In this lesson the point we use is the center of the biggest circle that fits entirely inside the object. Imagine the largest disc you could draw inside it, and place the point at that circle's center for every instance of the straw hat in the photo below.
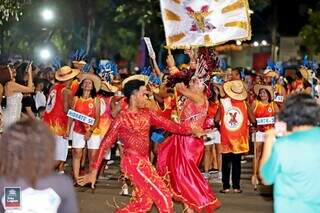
(65, 73)
(258, 87)
(95, 79)
(306, 73)
(79, 64)
(136, 77)
(235, 90)
(107, 87)
(270, 73)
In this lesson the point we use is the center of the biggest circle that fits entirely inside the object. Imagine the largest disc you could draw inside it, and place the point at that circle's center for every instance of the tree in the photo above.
(310, 33)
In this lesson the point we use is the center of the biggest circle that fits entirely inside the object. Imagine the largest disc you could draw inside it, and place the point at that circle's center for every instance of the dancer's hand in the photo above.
(197, 131)
(88, 178)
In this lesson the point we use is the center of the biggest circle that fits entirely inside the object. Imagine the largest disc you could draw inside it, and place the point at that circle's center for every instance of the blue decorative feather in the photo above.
(222, 64)
(79, 55)
(86, 68)
(107, 70)
(56, 63)
(279, 68)
(152, 77)
(270, 64)
(217, 80)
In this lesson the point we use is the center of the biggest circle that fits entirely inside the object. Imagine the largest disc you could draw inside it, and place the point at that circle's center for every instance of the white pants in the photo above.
(79, 142)
(215, 138)
(61, 148)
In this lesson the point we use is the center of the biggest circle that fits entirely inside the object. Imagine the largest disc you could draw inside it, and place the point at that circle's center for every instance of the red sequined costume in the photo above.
(133, 130)
(179, 158)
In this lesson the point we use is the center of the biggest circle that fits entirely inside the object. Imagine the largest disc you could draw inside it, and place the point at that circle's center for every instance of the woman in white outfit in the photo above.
(13, 92)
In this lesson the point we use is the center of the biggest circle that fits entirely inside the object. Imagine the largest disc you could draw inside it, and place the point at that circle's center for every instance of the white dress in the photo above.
(12, 112)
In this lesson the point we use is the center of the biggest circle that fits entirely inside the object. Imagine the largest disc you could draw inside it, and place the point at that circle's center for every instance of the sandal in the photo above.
(224, 191)
(237, 191)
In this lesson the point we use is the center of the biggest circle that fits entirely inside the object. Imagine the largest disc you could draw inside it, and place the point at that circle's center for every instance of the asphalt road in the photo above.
(107, 195)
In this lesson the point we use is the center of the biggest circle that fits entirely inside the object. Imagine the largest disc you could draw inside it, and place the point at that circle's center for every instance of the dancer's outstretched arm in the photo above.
(170, 126)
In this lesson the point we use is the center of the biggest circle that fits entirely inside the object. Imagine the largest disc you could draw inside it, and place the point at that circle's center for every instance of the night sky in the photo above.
(292, 16)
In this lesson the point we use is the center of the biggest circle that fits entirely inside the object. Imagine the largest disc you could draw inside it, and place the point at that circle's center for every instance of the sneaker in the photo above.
(61, 172)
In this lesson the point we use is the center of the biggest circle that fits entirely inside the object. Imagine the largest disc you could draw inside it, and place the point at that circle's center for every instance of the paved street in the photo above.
(107, 193)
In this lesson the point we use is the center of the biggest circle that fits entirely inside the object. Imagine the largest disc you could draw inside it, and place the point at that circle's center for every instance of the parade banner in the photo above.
(192, 23)
(265, 121)
(80, 117)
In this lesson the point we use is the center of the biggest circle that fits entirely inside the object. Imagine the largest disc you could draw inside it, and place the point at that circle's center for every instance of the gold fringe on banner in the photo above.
(240, 24)
(177, 1)
(238, 4)
(207, 40)
(177, 37)
(171, 16)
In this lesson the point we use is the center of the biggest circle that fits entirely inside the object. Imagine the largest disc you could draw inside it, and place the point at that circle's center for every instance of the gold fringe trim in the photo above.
(207, 40)
(240, 24)
(177, 1)
(177, 37)
(238, 4)
(171, 16)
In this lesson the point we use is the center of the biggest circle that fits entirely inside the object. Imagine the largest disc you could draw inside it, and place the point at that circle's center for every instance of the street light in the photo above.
(47, 14)
(238, 42)
(256, 44)
(264, 43)
(45, 54)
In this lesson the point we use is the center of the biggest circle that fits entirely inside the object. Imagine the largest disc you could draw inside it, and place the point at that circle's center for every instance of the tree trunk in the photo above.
(274, 31)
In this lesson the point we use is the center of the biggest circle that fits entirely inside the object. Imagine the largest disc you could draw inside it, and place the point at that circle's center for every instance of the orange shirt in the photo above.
(262, 110)
(234, 128)
(88, 108)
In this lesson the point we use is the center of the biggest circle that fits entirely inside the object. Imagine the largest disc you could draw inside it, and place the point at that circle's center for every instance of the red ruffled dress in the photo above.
(179, 158)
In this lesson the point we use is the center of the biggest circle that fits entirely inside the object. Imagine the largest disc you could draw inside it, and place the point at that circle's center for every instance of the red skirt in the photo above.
(178, 161)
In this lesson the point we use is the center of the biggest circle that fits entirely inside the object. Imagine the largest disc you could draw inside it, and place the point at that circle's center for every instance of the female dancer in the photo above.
(13, 92)
(264, 109)
(180, 156)
(85, 102)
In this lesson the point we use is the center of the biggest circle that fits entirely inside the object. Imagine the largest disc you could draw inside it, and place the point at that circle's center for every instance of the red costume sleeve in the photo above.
(170, 126)
(109, 139)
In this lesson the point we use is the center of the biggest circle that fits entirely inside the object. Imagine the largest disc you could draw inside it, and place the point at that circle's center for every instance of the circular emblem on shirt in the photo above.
(233, 119)
(90, 105)
(269, 109)
(51, 101)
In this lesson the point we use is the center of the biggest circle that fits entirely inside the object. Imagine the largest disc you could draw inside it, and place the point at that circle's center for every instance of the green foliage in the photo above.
(310, 33)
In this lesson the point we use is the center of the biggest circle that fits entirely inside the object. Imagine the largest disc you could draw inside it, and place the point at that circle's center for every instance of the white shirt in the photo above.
(40, 99)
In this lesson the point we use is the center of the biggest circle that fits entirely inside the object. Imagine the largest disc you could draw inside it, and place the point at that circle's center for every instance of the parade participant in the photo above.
(5, 76)
(212, 155)
(58, 104)
(84, 135)
(291, 157)
(264, 109)
(132, 126)
(234, 115)
(270, 78)
(105, 95)
(13, 92)
(179, 156)
(26, 164)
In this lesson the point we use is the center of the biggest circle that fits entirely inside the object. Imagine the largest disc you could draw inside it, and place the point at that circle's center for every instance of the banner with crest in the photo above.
(192, 23)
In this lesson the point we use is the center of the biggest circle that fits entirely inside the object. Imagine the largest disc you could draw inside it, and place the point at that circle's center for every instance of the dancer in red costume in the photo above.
(179, 156)
(132, 126)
